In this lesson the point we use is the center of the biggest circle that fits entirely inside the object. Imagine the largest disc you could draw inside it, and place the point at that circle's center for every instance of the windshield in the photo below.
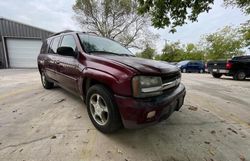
(97, 44)
(183, 62)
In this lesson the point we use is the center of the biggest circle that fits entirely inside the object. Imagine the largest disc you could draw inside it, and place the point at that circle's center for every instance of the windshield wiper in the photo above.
(123, 54)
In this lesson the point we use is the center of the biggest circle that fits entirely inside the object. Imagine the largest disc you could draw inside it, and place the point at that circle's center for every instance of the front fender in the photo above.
(119, 85)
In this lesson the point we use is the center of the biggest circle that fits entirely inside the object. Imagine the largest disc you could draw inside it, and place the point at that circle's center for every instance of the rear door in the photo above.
(241, 63)
(190, 66)
(197, 66)
(247, 65)
(50, 69)
(67, 66)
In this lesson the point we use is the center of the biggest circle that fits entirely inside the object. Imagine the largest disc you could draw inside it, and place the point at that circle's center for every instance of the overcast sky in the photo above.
(57, 15)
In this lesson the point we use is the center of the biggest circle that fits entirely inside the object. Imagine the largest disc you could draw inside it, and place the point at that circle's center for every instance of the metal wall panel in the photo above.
(9, 28)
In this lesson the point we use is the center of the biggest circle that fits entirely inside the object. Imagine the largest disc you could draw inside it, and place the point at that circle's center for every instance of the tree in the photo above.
(244, 5)
(172, 52)
(245, 31)
(173, 13)
(192, 52)
(115, 19)
(175, 52)
(223, 44)
(147, 53)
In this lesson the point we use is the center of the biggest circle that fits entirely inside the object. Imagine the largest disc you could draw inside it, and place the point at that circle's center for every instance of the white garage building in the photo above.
(20, 44)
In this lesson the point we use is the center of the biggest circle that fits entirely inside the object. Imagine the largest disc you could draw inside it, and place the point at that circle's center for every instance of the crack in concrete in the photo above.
(42, 138)
(29, 142)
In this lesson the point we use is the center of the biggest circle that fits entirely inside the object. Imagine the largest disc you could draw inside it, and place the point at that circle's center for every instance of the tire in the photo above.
(184, 70)
(240, 75)
(216, 75)
(201, 71)
(46, 84)
(102, 109)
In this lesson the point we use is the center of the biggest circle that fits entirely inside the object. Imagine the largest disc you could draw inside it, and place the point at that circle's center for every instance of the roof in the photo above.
(71, 31)
(2, 18)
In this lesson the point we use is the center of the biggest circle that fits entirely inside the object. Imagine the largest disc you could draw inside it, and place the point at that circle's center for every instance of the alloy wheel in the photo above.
(43, 79)
(99, 109)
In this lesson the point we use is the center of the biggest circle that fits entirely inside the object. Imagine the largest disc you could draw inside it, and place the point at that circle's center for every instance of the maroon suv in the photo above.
(119, 89)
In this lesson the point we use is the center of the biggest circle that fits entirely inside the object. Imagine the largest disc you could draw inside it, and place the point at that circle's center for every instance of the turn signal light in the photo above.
(151, 114)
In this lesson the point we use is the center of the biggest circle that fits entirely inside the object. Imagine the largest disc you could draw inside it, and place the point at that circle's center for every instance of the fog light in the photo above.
(151, 114)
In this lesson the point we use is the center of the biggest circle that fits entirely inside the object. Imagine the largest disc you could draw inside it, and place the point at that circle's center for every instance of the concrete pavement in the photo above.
(39, 125)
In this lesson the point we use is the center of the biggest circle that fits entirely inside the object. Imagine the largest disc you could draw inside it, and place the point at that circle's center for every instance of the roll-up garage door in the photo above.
(22, 53)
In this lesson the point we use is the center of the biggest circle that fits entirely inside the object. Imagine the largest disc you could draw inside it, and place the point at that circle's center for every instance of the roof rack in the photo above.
(64, 31)
(94, 33)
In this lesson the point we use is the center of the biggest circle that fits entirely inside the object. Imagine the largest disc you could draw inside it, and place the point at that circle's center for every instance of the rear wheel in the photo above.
(240, 75)
(216, 75)
(46, 84)
(201, 71)
(102, 109)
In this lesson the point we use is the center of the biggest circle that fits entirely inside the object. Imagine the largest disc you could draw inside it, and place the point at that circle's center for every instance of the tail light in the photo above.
(229, 65)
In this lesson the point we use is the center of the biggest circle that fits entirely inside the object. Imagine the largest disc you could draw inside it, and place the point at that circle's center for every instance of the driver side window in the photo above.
(69, 41)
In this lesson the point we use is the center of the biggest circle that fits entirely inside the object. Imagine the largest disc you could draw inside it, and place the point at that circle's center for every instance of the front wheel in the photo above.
(240, 75)
(102, 109)
(216, 75)
(201, 71)
(46, 84)
(184, 70)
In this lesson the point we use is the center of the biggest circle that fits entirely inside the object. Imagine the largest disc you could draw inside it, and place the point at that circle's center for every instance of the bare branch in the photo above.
(115, 19)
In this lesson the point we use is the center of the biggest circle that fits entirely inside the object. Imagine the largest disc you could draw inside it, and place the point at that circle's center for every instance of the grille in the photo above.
(170, 77)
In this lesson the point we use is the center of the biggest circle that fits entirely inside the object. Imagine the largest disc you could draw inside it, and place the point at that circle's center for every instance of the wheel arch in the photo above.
(91, 77)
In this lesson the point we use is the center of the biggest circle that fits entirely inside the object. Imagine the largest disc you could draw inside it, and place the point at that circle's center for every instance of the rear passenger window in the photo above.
(69, 41)
(44, 47)
(54, 45)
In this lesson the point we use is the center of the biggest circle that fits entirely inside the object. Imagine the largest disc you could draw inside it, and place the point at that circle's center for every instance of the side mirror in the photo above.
(66, 51)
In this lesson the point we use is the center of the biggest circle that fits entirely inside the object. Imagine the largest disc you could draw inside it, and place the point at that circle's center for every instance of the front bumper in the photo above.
(134, 111)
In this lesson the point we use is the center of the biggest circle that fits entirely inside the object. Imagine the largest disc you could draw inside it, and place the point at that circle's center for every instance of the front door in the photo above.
(67, 66)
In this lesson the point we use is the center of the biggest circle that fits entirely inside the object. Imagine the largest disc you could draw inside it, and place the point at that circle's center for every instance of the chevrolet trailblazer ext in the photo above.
(119, 89)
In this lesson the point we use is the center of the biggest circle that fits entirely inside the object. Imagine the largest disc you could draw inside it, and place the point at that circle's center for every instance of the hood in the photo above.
(143, 65)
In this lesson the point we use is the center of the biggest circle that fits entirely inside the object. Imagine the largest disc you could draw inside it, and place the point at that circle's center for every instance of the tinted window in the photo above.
(69, 41)
(183, 62)
(54, 45)
(198, 63)
(241, 58)
(44, 47)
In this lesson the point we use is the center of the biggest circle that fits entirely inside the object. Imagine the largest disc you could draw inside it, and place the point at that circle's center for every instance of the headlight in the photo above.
(145, 86)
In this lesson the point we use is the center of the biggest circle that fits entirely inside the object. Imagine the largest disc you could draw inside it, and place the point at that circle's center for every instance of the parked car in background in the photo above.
(173, 63)
(238, 67)
(119, 89)
(191, 66)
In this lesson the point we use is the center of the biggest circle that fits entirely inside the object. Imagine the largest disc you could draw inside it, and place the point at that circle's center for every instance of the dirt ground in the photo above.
(39, 125)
